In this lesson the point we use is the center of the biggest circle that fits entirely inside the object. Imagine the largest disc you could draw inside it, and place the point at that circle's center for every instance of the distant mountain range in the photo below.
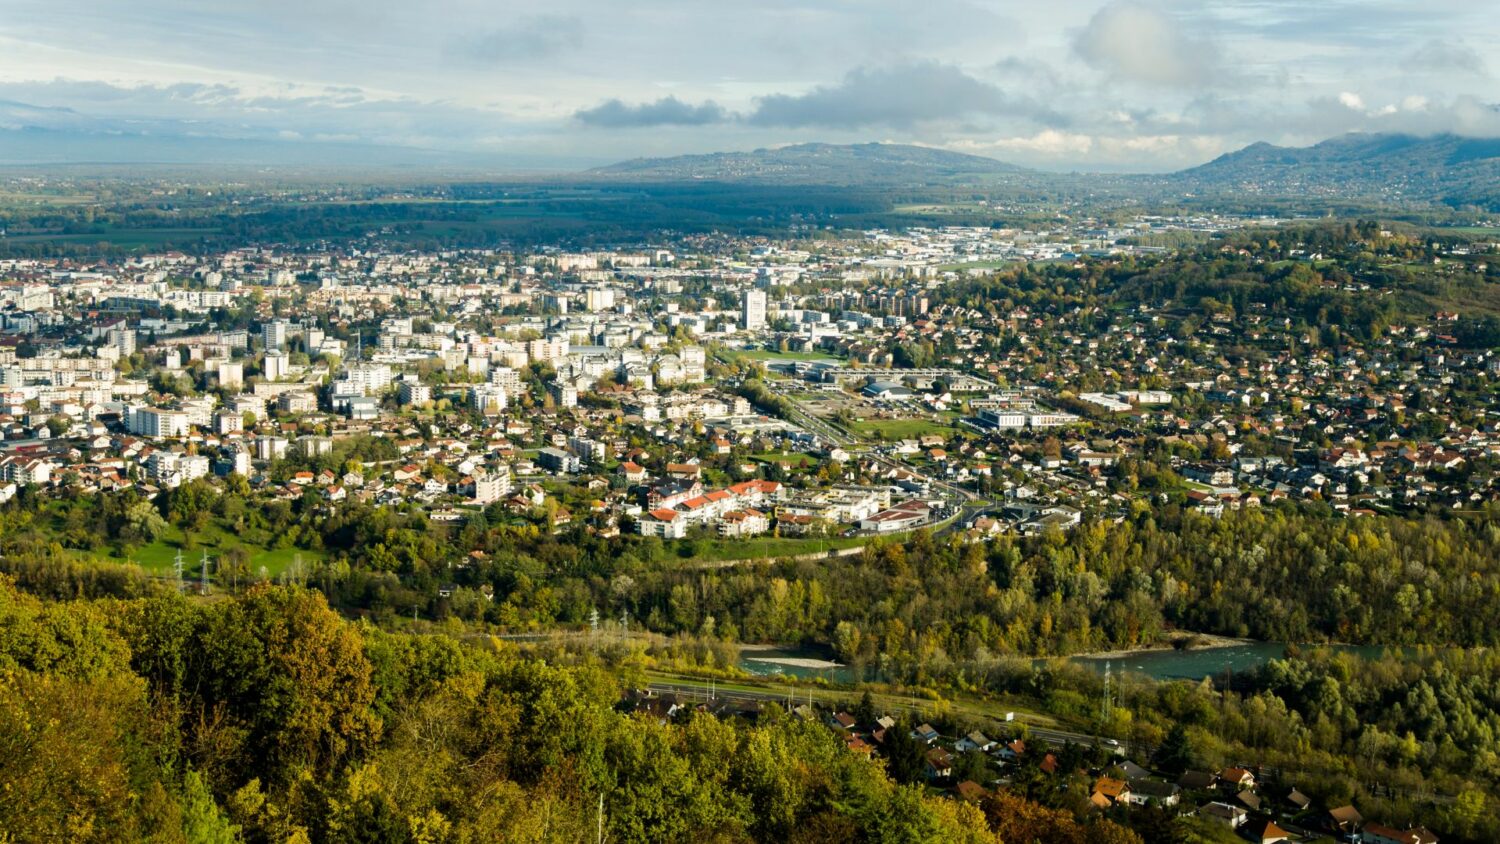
(1442, 168)
(1445, 169)
(828, 164)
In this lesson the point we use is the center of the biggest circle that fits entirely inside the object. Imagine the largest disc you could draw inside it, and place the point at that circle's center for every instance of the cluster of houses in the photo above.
(1233, 797)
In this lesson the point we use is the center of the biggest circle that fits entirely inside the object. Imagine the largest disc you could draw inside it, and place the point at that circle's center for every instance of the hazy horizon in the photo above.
(1091, 86)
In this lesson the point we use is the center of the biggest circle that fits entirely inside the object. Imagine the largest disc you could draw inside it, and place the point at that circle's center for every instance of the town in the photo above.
(734, 387)
(722, 402)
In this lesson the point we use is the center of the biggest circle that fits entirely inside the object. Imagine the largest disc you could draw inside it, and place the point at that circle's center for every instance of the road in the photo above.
(827, 430)
(1049, 735)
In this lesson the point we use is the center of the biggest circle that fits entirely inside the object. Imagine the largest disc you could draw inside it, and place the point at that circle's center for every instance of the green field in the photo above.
(974, 265)
(766, 547)
(159, 556)
(797, 458)
(899, 429)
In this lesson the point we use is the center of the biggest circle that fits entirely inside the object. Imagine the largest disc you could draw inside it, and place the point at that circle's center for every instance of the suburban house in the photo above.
(939, 763)
(1231, 816)
(1237, 778)
(925, 734)
(1109, 792)
(1344, 820)
(1142, 792)
(1374, 833)
(974, 741)
(1264, 832)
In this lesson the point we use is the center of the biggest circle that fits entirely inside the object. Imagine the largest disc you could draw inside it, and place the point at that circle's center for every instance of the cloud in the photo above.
(667, 111)
(1439, 56)
(900, 95)
(531, 37)
(1141, 43)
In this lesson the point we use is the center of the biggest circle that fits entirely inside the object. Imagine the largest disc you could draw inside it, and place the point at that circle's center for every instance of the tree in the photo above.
(147, 523)
(905, 761)
(285, 670)
(1175, 754)
(864, 711)
(202, 822)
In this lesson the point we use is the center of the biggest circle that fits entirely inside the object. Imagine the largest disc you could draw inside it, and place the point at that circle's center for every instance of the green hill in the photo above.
(838, 164)
(1449, 169)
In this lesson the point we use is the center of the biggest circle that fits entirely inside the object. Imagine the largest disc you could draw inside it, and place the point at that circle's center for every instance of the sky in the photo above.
(1124, 85)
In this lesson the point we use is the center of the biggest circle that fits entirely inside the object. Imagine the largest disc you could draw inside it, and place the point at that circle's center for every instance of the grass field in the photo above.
(797, 458)
(942, 208)
(716, 550)
(975, 265)
(899, 429)
(159, 556)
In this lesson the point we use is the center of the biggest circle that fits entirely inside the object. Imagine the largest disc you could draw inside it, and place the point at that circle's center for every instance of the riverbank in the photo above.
(785, 657)
(1177, 640)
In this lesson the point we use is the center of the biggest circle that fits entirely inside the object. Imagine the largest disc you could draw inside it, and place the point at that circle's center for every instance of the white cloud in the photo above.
(1069, 83)
(898, 95)
(1440, 56)
(1137, 42)
(667, 111)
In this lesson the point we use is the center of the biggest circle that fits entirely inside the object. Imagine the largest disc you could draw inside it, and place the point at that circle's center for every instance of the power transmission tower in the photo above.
(1107, 706)
(177, 566)
(203, 571)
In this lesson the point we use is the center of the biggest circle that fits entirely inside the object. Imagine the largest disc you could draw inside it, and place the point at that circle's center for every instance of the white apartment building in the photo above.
(413, 392)
(270, 448)
(276, 365)
(371, 378)
(273, 334)
(552, 349)
(506, 379)
(231, 375)
(753, 310)
(487, 400)
(491, 486)
(158, 422)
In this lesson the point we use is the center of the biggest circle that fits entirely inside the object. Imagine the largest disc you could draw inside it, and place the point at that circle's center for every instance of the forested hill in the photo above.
(851, 164)
(1445, 168)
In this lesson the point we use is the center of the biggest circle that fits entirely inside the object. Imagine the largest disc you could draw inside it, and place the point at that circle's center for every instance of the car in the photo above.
(1112, 742)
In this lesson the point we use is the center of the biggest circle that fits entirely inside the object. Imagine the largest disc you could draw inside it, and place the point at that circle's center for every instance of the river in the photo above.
(805, 663)
(1173, 664)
